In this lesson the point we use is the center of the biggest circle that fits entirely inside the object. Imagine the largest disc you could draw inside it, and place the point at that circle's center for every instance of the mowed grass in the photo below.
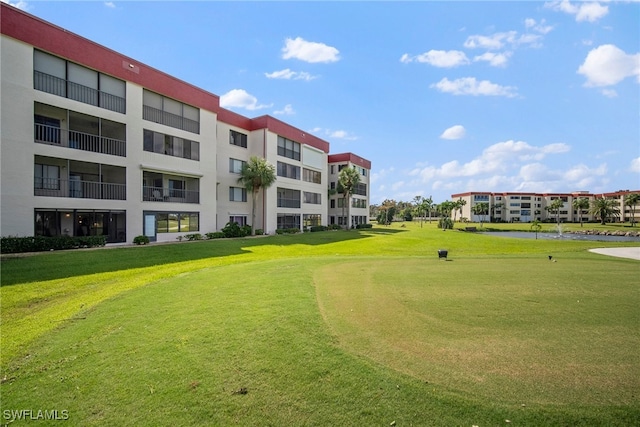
(343, 328)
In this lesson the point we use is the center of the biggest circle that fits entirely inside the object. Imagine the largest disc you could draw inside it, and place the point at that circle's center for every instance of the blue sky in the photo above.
(442, 97)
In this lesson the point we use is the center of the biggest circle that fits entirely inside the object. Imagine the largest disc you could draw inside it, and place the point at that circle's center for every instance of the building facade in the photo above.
(355, 211)
(527, 207)
(96, 143)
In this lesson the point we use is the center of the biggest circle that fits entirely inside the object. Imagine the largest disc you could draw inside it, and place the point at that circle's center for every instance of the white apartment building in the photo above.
(358, 209)
(527, 207)
(96, 143)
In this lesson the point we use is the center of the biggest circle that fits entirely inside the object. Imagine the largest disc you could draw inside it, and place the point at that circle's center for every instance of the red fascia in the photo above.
(58, 41)
(283, 129)
(350, 157)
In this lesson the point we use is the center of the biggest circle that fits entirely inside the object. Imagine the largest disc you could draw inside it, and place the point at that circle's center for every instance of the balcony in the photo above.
(163, 117)
(159, 187)
(169, 195)
(52, 135)
(55, 177)
(68, 89)
(76, 188)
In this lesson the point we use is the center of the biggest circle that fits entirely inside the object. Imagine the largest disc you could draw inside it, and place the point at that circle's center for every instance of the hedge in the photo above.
(14, 245)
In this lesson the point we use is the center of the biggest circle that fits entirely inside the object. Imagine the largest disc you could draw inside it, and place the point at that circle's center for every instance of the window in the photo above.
(237, 194)
(70, 80)
(176, 188)
(361, 171)
(241, 220)
(526, 197)
(333, 169)
(333, 203)
(361, 189)
(47, 177)
(160, 143)
(47, 129)
(237, 138)
(341, 203)
(288, 148)
(481, 198)
(340, 167)
(169, 112)
(235, 165)
(174, 222)
(310, 220)
(288, 171)
(358, 203)
(288, 221)
(288, 198)
(309, 175)
(312, 198)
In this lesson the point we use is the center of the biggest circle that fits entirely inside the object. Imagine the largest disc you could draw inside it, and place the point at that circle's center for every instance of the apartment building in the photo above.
(96, 143)
(527, 207)
(357, 211)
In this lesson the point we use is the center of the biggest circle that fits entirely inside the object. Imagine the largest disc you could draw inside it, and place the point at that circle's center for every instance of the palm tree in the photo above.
(428, 206)
(256, 174)
(481, 209)
(536, 226)
(457, 206)
(604, 208)
(348, 180)
(581, 204)
(631, 201)
(555, 207)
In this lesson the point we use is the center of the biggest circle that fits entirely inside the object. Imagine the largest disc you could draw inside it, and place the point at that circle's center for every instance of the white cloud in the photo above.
(287, 74)
(471, 86)
(438, 58)
(635, 165)
(494, 59)
(498, 41)
(539, 27)
(287, 111)
(22, 5)
(303, 50)
(584, 11)
(110, 4)
(609, 93)
(608, 65)
(239, 98)
(342, 134)
(454, 132)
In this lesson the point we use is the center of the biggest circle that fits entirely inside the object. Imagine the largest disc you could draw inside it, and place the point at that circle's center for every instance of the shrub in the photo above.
(287, 230)
(445, 223)
(141, 240)
(334, 227)
(232, 229)
(318, 228)
(215, 235)
(12, 245)
(192, 237)
(259, 231)
(364, 226)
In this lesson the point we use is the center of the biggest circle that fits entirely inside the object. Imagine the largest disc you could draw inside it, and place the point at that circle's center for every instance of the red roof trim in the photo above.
(350, 157)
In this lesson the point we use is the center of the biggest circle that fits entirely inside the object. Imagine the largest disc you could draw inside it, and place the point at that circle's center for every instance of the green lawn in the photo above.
(341, 328)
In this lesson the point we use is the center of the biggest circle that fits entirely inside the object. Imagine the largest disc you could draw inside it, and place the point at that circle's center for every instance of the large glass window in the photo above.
(288, 148)
(288, 198)
(47, 177)
(169, 112)
(174, 222)
(288, 171)
(288, 221)
(237, 138)
(310, 220)
(309, 175)
(237, 194)
(157, 142)
(235, 165)
(312, 198)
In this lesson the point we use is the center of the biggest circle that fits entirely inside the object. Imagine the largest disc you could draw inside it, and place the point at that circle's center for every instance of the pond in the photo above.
(563, 236)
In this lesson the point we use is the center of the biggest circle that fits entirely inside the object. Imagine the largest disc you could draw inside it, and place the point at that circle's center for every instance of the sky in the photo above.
(441, 97)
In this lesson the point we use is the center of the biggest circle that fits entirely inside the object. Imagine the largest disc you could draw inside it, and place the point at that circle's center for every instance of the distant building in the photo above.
(96, 143)
(527, 207)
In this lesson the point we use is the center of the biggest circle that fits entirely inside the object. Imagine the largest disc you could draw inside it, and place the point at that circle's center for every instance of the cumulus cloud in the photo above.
(22, 5)
(454, 132)
(494, 59)
(287, 111)
(239, 98)
(499, 41)
(287, 74)
(608, 65)
(471, 86)
(110, 4)
(342, 134)
(438, 58)
(635, 165)
(583, 11)
(313, 52)
(540, 27)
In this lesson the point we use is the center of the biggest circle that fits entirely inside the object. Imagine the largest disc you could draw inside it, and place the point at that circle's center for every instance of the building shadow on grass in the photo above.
(69, 263)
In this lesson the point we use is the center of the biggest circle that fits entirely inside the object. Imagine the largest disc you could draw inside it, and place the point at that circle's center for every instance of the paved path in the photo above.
(631, 252)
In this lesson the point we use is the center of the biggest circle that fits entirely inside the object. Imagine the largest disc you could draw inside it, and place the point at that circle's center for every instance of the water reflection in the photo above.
(562, 236)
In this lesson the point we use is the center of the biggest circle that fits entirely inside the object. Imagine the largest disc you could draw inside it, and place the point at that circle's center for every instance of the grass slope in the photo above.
(176, 334)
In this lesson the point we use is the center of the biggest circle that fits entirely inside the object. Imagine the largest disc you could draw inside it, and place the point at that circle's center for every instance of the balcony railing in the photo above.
(171, 195)
(45, 134)
(52, 187)
(169, 119)
(65, 88)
